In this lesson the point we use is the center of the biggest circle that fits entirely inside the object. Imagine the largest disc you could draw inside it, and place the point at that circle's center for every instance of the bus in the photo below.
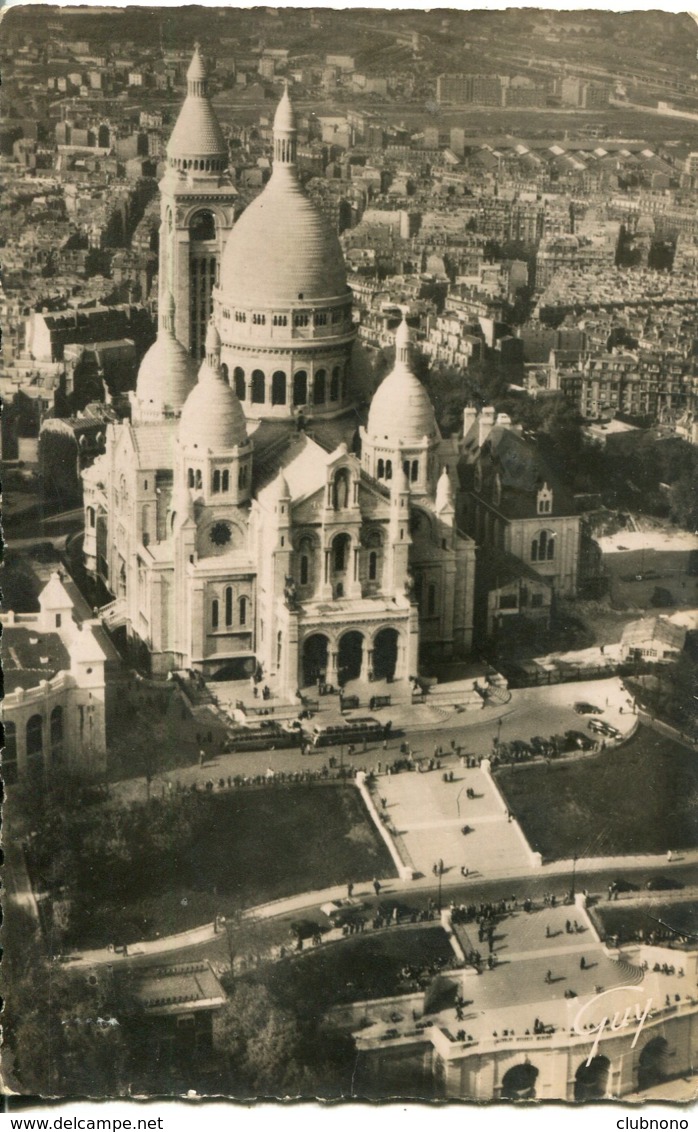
(350, 731)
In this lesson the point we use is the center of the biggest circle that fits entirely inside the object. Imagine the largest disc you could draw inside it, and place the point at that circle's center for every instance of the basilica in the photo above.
(259, 516)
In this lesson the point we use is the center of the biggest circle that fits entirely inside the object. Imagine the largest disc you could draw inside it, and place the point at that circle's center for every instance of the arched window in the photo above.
(217, 480)
(202, 225)
(56, 734)
(431, 601)
(242, 476)
(372, 566)
(278, 388)
(228, 605)
(242, 610)
(406, 468)
(257, 387)
(414, 473)
(334, 384)
(381, 469)
(304, 570)
(388, 469)
(35, 736)
(56, 726)
(320, 387)
(90, 516)
(199, 480)
(300, 387)
(214, 613)
(9, 754)
(340, 550)
(190, 477)
(225, 481)
(543, 547)
(226, 373)
(239, 379)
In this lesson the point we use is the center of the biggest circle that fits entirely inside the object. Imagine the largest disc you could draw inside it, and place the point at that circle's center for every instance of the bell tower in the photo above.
(198, 202)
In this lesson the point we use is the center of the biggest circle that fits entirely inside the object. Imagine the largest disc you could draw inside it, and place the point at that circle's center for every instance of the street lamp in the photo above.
(574, 874)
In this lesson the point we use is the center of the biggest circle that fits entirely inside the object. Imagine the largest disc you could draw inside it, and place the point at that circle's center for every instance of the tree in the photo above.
(276, 1050)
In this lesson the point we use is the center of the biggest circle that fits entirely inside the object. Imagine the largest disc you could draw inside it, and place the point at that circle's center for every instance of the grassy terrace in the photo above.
(668, 923)
(158, 869)
(365, 966)
(639, 798)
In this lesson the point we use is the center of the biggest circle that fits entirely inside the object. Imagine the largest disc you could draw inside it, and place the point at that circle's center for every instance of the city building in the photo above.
(514, 503)
(61, 678)
(245, 520)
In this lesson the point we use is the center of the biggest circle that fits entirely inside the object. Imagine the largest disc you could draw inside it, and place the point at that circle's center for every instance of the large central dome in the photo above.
(282, 250)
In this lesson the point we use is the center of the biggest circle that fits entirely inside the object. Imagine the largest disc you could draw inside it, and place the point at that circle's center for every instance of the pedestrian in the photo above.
(464, 871)
(376, 886)
(350, 890)
(547, 931)
(201, 757)
(549, 977)
(669, 855)
(582, 964)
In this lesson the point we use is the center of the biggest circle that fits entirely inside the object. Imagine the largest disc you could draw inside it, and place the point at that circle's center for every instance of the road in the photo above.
(596, 883)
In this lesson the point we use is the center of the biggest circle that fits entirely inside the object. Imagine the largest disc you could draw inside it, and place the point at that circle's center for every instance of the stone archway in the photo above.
(315, 658)
(385, 653)
(591, 1080)
(653, 1066)
(519, 1082)
(350, 656)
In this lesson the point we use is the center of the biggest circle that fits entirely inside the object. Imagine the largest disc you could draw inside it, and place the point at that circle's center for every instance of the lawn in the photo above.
(365, 966)
(667, 922)
(640, 798)
(158, 869)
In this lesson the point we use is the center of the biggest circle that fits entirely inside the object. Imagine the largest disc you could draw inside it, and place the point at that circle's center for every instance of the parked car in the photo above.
(582, 708)
(601, 727)
(620, 884)
(662, 883)
(340, 912)
(579, 739)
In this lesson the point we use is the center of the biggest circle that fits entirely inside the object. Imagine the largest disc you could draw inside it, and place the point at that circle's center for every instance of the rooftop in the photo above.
(30, 656)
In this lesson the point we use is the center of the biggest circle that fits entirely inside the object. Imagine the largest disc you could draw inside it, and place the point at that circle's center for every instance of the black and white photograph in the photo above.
(349, 449)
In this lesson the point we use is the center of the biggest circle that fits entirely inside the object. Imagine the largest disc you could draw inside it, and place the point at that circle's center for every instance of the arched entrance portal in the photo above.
(591, 1081)
(653, 1067)
(315, 651)
(385, 654)
(519, 1082)
(349, 657)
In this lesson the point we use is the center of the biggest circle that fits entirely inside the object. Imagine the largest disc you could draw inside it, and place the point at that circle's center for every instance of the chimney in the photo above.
(469, 418)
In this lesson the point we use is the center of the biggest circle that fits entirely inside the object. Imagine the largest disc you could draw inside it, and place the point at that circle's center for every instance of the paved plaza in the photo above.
(429, 816)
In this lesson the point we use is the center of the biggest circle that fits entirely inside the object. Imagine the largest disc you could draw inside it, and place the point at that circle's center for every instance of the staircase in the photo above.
(630, 974)
(113, 615)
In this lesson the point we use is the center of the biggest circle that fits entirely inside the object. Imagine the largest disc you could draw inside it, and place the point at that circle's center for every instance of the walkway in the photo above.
(430, 814)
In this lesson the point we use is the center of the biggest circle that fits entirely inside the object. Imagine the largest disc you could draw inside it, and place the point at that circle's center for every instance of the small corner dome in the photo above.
(401, 411)
(167, 373)
(212, 417)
